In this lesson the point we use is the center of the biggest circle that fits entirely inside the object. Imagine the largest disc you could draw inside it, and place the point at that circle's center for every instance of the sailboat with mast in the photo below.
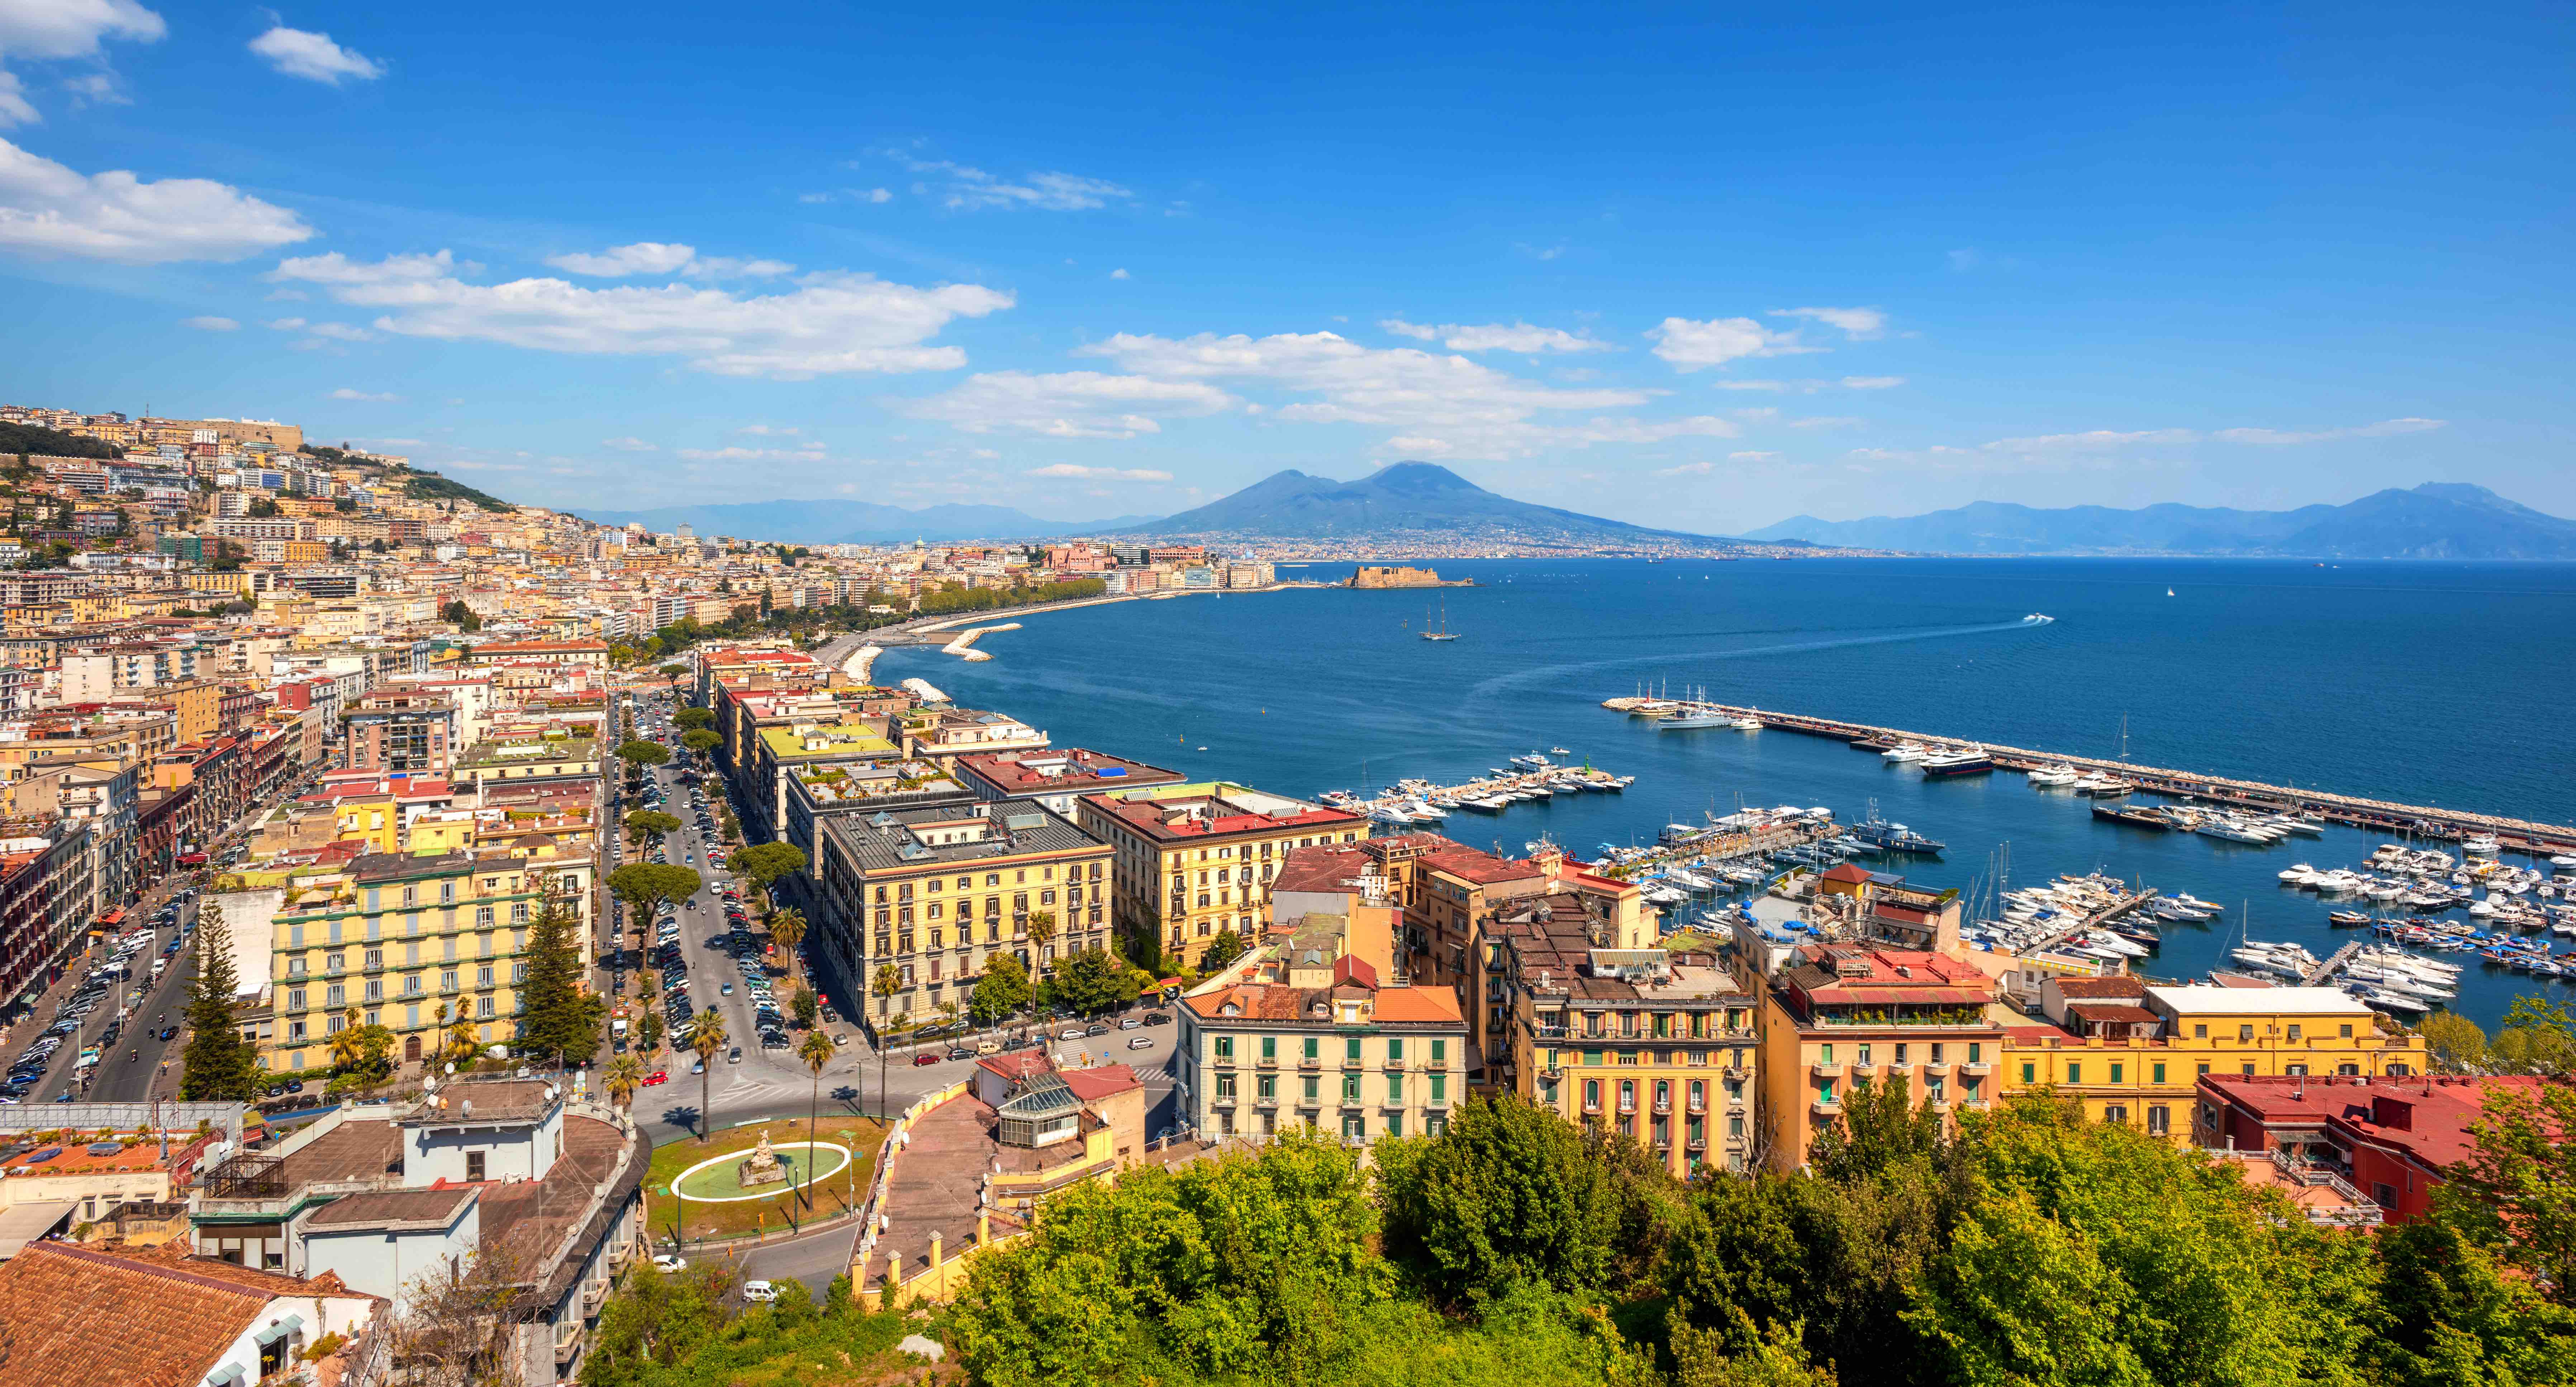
(1441, 631)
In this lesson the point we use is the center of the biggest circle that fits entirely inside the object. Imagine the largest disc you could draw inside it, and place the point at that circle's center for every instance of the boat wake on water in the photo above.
(1551, 673)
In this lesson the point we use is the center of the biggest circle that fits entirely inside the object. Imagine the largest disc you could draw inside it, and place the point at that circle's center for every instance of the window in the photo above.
(1439, 1051)
(2294, 1032)
(1310, 1088)
(2159, 1120)
(1439, 1088)
(2245, 1034)
(1312, 1047)
(2158, 1073)
(1350, 1047)
(1225, 1047)
(1394, 1049)
(1225, 1085)
(2116, 1115)
(1864, 1056)
(1900, 1055)
(1350, 1088)
(1592, 1095)
(2347, 1030)
(2295, 1071)
(474, 1165)
(1975, 1050)
(2116, 1071)
(2030, 1073)
(2074, 1071)
(2202, 1071)
(2385, 1196)
(1269, 1086)
(1395, 1089)
(1270, 1047)
(2200, 1032)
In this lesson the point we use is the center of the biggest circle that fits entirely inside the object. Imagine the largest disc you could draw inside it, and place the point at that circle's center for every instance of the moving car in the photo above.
(1142, 1042)
(665, 1262)
(759, 1292)
(658, 1076)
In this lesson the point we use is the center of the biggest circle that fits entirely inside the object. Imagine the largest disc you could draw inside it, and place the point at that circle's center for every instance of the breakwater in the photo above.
(2413, 820)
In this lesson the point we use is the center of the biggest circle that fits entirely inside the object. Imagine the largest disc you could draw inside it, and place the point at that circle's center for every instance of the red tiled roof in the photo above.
(82, 1316)
(1092, 1085)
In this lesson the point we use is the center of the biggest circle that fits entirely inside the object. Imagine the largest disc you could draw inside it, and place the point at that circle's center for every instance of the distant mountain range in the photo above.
(1407, 497)
(2438, 520)
(851, 522)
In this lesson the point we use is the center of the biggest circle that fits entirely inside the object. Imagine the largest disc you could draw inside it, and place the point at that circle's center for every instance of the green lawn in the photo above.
(832, 1196)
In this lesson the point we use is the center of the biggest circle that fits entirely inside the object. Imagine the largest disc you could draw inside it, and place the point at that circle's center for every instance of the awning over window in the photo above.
(278, 1331)
(230, 1376)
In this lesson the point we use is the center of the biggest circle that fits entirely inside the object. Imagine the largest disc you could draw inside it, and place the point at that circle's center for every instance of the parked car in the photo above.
(1142, 1042)
(759, 1292)
(665, 1262)
(925, 1057)
(1156, 1018)
(1128, 1023)
(1069, 1033)
(658, 1076)
(1096, 1028)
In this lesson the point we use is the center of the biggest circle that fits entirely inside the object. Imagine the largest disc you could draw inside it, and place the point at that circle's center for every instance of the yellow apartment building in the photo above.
(2135, 1054)
(1193, 861)
(1842, 1015)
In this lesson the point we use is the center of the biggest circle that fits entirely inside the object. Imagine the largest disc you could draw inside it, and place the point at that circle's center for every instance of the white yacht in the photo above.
(2055, 775)
(1906, 751)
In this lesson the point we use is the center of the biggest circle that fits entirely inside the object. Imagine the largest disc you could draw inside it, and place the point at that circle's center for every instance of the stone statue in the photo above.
(761, 1167)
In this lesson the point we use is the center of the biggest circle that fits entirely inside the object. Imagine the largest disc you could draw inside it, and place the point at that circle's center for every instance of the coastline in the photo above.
(946, 623)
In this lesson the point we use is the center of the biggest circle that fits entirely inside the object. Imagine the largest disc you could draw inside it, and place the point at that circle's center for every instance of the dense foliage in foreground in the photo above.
(2029, 1249)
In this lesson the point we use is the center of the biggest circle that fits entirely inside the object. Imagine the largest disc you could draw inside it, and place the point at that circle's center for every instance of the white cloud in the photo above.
(1105, 474)
(1774, 385)
(811, 452)
(49, 210)
(832, 323)
(971, 188)
(2089, 441)
(617, 262)
(1497, 337)
(1069, 404)
(629, 444)
(1830, 421)
(1691, 345)
(286, 324)
(211, 323)
(1752, 456)
(2385, 428)
(1120, 273)
(1687, 469)
(1446, 406)
(1859, 324)
(341, 332)
(49, 30)
(1872, 382)
(769, 430)
(314, 57)
(345, 393)
(662, 258)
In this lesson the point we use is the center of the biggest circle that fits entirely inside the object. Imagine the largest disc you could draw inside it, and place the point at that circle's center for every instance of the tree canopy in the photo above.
(639, 753)
(765, 863)
(645, 885)
(218, 1064)
(558, 1016)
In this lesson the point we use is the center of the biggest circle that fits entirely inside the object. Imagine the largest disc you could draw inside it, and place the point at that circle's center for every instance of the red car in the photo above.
(658, 1076)
(925, 1057)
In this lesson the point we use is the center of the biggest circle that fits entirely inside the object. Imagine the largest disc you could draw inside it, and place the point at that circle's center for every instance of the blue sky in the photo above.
(1676, 265)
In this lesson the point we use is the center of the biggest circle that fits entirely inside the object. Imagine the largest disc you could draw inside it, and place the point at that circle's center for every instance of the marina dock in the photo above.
(2095, 920)
(2415, 820)
(1489, 794)
(2317, 976)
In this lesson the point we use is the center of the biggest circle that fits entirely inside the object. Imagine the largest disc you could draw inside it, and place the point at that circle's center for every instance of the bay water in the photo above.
(2438, 684)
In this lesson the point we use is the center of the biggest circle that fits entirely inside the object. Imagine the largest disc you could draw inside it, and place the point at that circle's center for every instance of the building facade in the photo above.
(1193, 861)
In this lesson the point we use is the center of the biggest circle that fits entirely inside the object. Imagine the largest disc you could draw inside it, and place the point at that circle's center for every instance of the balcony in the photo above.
(1310, 1062)
(1977, 1070)
(1825, 1107)
(1936, 1068)
(1266, 1062)
(1698, 1106)
(1823, 1070)
(1222, 1100)
(1663, 1107)
(1696, 1144)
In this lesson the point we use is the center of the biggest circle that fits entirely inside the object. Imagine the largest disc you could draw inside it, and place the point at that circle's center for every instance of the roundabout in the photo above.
(715, 1180)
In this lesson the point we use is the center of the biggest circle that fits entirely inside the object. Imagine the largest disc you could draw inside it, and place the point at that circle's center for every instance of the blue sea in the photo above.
(2443, 684)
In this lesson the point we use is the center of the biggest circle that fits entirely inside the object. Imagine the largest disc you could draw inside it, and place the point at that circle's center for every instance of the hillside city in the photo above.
(448, 940)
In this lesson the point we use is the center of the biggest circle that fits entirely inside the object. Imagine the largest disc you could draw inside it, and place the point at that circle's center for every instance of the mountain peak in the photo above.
(1418, 479)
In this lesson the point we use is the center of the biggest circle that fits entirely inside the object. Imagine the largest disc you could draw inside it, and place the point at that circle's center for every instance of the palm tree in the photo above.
(1042, 929)
(888, 982)
(787, 926)
(706, 1036)
(346, 1050)
(625, 1076)
(816, 1052)
(461, 1040)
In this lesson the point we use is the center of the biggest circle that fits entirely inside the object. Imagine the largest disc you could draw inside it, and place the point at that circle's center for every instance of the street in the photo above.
(772, 1083)
(127, 1067)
